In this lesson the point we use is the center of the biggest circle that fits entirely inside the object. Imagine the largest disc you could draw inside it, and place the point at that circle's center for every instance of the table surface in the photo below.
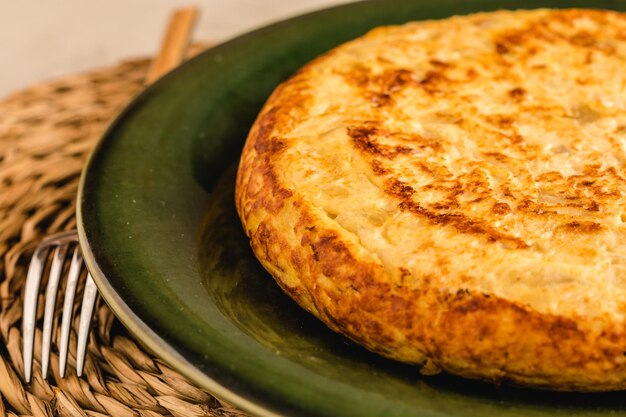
(45, 40)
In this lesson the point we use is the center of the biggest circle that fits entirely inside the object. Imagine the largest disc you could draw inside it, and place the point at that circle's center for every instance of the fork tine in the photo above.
(31, 292)
(58, 258)
(68, 304)
(86, 313)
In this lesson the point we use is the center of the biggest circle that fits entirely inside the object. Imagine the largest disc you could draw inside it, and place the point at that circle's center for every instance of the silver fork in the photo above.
(61, 244)
(172, 52)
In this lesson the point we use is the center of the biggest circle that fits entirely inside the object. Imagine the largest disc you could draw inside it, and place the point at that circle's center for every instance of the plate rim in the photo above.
(123, 312)
(153, 342)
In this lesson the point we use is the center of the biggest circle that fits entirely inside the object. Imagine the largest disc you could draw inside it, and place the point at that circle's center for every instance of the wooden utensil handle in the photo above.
(175, 43)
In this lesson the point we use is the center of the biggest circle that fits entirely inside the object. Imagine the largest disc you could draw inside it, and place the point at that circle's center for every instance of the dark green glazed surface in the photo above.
(161, 237)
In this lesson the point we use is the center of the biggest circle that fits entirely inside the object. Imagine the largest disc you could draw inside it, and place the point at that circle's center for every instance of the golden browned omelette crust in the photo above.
(451, 193)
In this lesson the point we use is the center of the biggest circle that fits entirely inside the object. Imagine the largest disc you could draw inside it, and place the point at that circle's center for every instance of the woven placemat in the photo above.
(46, 133)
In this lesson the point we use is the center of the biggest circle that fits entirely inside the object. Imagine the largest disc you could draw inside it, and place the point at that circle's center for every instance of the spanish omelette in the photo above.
(450, 194)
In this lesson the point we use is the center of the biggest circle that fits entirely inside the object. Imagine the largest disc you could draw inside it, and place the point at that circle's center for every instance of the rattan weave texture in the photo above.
(46, 133)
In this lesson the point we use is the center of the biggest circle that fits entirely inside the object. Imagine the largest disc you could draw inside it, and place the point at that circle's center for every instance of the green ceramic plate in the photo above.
(161, 237)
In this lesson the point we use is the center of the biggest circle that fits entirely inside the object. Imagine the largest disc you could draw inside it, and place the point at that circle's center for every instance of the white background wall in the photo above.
(44, 39)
